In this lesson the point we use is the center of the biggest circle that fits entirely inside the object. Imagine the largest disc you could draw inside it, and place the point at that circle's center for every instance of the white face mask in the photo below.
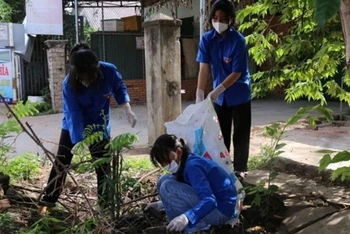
(172, 167)
(220, 27)
(85, 83)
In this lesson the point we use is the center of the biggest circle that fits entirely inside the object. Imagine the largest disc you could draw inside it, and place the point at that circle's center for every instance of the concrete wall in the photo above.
(56, 57)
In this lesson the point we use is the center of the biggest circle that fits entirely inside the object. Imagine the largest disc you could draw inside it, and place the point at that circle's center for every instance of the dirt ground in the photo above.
(302, 142)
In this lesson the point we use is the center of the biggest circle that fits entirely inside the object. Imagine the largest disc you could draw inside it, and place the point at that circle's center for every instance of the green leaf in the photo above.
(326, 112)
(343, 156)
(325, 9)
(312, 121)
(324, 162)
(273, 188)
(325, 151)
(343, 172)
(280, 146)
(292, 120)
(272, 129)
(257, 200)
(123, 141)
(273, 175)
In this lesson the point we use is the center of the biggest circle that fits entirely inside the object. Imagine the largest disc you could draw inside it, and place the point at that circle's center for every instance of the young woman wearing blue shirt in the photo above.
(223, 53)
(87, 90)
(197, 194)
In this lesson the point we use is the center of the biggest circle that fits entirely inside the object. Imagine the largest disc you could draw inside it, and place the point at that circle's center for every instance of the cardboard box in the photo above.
(132, 23)
(112, 25)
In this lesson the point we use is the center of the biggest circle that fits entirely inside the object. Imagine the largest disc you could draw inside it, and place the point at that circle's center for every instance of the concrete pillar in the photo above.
(163, 72)
(56, 58)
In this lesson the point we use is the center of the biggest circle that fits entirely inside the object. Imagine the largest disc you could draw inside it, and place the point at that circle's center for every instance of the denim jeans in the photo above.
(179, 197)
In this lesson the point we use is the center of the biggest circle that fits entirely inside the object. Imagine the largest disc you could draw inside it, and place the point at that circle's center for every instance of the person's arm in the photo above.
(120, 90)
(204, 59)
(239, 65)
(199, 182)
(203, 77)
(121, 96)
(73, 114)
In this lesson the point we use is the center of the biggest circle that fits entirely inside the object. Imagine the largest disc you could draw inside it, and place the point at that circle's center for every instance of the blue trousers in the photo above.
(179, 197)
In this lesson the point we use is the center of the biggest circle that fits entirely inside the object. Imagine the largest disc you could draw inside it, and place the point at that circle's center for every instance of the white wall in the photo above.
(182, 12)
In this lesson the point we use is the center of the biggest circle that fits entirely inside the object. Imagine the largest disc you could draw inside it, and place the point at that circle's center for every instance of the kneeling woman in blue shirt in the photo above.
(198, 193)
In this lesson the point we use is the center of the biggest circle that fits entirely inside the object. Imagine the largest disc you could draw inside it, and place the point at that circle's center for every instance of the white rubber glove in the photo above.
(158, 205)
(199, 95)
(178, 224)
(130, 116)
(214, 95)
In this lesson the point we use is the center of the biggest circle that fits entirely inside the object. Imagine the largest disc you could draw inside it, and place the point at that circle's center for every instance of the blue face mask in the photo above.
(172, 167)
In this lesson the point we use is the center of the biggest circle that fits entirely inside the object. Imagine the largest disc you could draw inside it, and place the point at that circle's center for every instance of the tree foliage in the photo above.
(304, 57)
(5, 11)
(12, 11)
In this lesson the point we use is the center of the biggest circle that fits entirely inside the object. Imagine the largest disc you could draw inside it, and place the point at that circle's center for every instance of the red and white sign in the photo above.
(6, 75)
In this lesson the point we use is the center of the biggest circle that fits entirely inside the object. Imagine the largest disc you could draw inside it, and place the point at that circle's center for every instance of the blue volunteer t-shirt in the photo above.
(214, 187)
(91, 106)
(226, 55)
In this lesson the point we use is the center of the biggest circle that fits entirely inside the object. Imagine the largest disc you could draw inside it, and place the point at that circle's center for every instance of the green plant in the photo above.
(87, 32)
(10, 128)
(82, 161)
(23, 167)
(137, 164)
(331, 157)
(116, 147)
(6, 11)
(304, 58)
(113, 184)
(45, 106)
(87, 226)
(275, 133)
(6, 219)
(258, 161)
(46, 224)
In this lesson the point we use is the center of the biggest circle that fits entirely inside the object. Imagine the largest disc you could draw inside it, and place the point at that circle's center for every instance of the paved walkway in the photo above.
(47, 127)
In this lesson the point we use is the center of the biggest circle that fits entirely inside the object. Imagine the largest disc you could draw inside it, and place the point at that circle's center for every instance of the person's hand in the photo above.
(158, 205)
(214, 95)
(178, 224)
(199, 95)
(130, 116)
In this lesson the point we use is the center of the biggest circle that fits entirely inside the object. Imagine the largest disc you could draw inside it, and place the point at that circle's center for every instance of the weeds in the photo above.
(274, 133)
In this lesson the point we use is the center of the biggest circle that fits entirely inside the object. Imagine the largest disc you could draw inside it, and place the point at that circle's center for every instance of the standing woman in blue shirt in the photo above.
(87, 90)
(223, 54)
(198, 193)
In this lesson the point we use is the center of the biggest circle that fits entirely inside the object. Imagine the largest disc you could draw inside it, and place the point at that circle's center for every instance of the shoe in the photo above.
(46, 204)
(241, 175)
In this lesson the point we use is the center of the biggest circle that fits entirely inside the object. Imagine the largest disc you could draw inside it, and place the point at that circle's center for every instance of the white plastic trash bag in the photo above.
(199, 126)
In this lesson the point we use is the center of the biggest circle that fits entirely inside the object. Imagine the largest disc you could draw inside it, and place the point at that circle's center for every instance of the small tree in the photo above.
(304, 58)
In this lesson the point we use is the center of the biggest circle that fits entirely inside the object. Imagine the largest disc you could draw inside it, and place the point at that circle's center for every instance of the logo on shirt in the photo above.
(227, 60)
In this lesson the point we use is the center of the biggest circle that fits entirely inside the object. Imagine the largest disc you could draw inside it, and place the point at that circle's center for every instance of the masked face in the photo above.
(220, 27)
(220, 21)
(172, 167)
(86, 79)
(85, 83)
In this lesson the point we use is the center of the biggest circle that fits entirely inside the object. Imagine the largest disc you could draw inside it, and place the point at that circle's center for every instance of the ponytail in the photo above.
(185, 153)
(163, 146)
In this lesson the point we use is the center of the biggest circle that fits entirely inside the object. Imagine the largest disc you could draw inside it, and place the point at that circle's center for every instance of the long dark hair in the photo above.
(82, 61)
(226, 6)
(163, 146)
